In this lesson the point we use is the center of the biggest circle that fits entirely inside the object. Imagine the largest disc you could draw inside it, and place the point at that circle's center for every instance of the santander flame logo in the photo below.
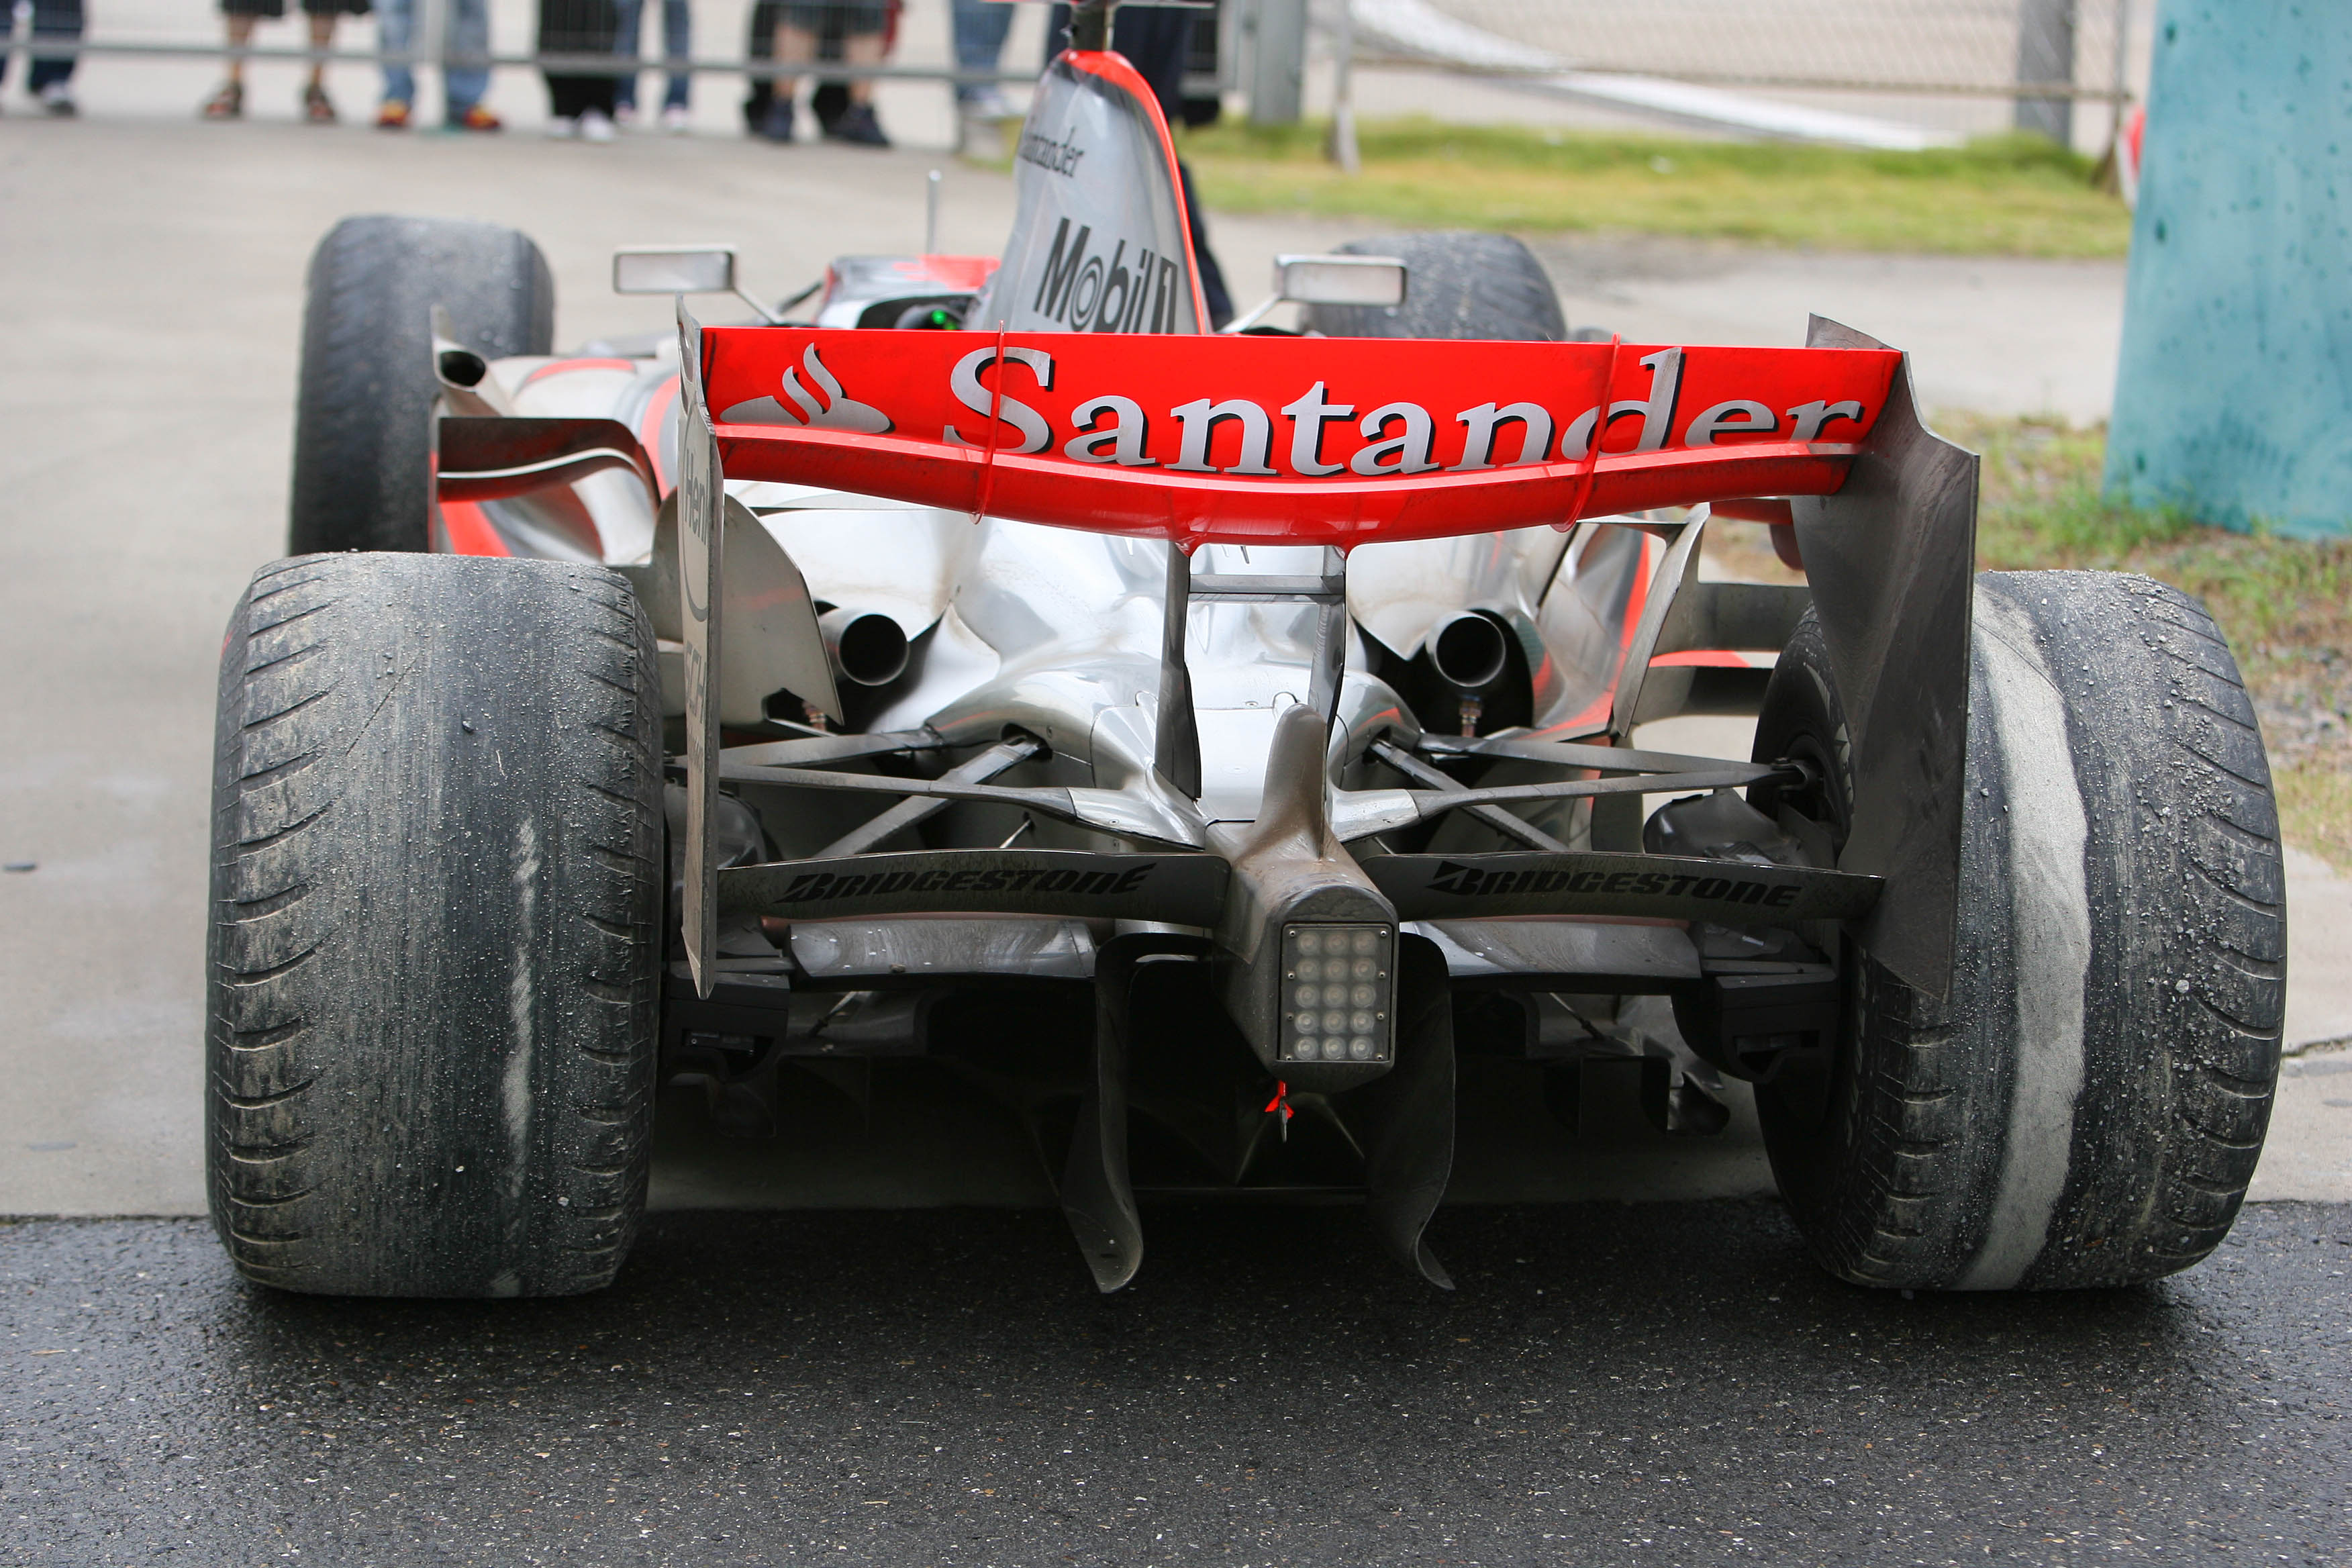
(833, 411)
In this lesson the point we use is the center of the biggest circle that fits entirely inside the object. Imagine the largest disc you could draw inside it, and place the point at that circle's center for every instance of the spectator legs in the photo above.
(395, 27)
(463, 86)
(677, 48)
(240, 36)
(470, 38)
(627, 43)
(979, 30)
(323, 38)
(797, 45)
(53, 20)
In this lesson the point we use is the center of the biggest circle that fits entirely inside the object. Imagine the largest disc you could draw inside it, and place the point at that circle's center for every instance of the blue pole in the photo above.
(2233, 397)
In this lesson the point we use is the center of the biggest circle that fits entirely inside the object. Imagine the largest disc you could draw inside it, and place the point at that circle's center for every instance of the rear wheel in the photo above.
(435, 893)
(2086, 1106)
(1459, 284)
(362, 419)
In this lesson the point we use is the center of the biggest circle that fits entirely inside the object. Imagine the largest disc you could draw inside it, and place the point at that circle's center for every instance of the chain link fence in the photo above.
(1954, 66)
(1981, 47)
(1879, 72)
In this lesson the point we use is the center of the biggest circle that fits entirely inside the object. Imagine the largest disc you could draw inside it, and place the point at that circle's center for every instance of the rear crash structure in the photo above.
(1211, 748)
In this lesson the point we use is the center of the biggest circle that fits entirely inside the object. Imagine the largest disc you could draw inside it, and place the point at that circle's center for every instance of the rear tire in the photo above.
(363, 409)
(1459, 284)
(2087, 1105)
(433, 981)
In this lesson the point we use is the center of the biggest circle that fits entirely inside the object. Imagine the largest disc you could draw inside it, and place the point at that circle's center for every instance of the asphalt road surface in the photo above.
(1658, 1383)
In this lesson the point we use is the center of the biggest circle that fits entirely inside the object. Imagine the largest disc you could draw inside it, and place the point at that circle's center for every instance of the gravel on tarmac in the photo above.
(1660, 1384)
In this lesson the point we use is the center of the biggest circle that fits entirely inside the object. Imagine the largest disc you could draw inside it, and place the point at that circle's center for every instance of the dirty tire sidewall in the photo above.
(2087, 1107)
(362, 419)
(432, 984)
(1460, 284)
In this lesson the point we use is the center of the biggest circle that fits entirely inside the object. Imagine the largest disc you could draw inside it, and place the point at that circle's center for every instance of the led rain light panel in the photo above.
(1339, 991)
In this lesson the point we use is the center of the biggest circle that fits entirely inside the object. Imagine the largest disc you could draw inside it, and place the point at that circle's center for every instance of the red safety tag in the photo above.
(1281, 1102)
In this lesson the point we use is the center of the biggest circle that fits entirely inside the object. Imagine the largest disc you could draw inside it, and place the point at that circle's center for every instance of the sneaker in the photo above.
(980, 139)
(228, 104)
(561, 127)
(829, 103)
(596, 126)
(57, 101)
(316, 107)
(476, 118)
(677, 120)
(988, 103)
(392, 114)
(858, 127)
(776, 125)
(624, 115)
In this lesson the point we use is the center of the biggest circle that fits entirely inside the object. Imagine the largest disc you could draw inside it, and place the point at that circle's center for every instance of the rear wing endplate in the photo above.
(702, 502)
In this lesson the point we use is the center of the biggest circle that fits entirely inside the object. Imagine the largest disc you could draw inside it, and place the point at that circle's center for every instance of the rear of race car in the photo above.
(1213, 750)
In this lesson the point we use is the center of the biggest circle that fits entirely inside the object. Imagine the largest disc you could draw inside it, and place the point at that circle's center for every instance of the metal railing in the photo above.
(596, 64)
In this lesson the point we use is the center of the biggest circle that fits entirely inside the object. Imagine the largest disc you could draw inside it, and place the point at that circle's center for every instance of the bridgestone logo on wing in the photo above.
(813, 887)
(1471, 882)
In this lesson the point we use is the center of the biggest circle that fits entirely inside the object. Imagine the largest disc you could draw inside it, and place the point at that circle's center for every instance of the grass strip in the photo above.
(2007, 195)
(2284, 604)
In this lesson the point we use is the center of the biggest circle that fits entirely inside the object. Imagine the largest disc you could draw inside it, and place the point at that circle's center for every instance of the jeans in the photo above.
(979, 29)
(53, 21)
(677, 44)
(469, 33)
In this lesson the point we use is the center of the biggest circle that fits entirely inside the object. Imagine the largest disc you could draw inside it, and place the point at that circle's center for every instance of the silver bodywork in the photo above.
(1104, 760)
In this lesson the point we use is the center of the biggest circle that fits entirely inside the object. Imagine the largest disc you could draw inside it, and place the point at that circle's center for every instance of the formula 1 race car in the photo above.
(1211, 746)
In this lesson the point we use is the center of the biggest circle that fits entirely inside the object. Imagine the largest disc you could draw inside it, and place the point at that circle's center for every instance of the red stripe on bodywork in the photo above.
(649, 431)
(469, 531)
(561, 367)
(1701, 658)
(1595, 716)
(964, 274)
(458, 526)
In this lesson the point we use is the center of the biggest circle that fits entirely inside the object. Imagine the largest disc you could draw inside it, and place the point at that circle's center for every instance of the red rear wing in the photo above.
(1307, 440)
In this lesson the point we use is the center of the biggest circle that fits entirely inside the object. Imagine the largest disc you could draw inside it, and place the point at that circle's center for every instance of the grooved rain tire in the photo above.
(1460, 284)
(431, 977)
(363, 407)
(2087, 1107)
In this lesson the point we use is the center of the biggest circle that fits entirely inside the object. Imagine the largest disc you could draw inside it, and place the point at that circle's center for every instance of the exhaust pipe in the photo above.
(1469, 651)
(866, 647)
(461, 368)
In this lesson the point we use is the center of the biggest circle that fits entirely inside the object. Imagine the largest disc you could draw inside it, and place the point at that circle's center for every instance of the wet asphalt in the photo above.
(1612, 1383)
